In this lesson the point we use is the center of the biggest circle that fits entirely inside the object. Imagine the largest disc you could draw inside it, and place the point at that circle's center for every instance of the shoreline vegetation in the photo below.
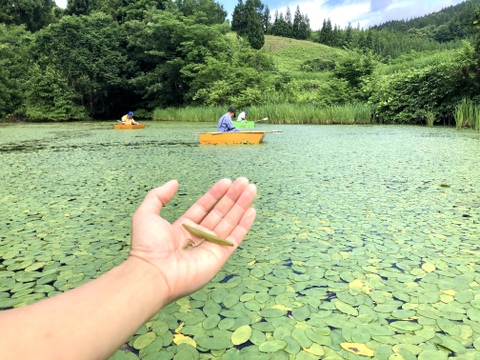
(171, 66)
(297, 114)
(467, 114)
(277, 114)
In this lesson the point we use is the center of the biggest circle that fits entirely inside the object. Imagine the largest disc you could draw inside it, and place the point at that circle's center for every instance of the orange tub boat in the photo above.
(228, 138)
(129, 127)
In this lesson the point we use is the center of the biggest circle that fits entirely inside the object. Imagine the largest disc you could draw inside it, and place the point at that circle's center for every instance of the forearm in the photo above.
(89, 322)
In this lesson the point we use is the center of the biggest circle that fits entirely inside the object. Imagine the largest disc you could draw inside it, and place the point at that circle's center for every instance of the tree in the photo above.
(80, 7)
(348, 37)
(34, 14)
(266, 18)
(301, 25)
(254, 29)
(326, 36)
(89, 52)
(214, 12)
(355, 67)
(244, 78)
(15, 62)
(280, 26)
(288, 20)
(49, 97)
(239, 22)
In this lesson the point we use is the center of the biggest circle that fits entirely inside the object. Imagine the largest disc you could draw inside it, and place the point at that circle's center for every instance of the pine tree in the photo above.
(301, 26)
(326, 33)
(348, 36)
(239, 22)
(297, 19)
(266, 17)
(288, 20)
(254, 29)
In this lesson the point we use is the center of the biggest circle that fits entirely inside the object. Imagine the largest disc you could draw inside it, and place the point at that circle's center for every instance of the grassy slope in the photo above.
(290, 54)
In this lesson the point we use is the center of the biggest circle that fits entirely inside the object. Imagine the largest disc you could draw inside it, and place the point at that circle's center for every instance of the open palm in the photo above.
(225, 210)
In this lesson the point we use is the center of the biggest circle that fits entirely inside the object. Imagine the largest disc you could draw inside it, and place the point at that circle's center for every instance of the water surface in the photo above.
(364, 234)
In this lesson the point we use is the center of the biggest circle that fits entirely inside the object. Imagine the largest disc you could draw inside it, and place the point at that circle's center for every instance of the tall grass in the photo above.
(415, 60)
(355, 113)
(467, 114)
(189, 114)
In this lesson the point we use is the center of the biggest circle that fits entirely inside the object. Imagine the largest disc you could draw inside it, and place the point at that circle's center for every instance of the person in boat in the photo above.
(243, 116)
(166, 262)
(225, 123)
(128, 119)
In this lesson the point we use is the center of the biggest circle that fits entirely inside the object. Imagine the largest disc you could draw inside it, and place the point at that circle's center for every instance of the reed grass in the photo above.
(355, 113)
(467, 115)
(430, 118)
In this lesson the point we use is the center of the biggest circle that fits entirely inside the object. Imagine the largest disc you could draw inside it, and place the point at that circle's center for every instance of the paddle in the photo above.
(265, 131)
(264, 119)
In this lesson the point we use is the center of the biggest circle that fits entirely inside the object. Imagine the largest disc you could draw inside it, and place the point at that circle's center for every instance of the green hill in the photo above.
(291, 54)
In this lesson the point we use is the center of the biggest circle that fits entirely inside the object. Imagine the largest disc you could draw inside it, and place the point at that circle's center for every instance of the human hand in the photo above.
(225, 210)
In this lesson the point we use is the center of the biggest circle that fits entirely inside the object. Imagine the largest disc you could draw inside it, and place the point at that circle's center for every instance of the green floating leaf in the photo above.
(360, 336)
(476, 344)
(241, 335)
(302, 313)
(123, 355)
(212, 343)
(211, 322)
(293, 346)
(258, 337)
(226, 324)
(153, 348)
(231, 300)
(451, 344)
(448, 326)
(345, 308)
(144, 340)
(269, 313)
(474, 314)
(272, 346)
(302, 338)
(318, 338)
(406, 325)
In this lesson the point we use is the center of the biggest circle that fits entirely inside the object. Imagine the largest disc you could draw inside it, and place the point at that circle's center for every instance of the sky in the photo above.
(364, 13)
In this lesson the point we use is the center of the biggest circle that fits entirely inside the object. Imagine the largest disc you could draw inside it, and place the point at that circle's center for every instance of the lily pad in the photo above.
(241, 335)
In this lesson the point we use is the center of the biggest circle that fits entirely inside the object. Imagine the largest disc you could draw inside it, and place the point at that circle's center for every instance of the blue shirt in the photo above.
(225, 124)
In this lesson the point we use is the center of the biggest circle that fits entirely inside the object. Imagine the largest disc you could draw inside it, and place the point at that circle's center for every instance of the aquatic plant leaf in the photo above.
(358, 349)
(241, 335)
(272, 346)
(144, 340)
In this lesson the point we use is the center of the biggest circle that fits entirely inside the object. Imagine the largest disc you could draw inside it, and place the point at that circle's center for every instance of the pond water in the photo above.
(366, 241)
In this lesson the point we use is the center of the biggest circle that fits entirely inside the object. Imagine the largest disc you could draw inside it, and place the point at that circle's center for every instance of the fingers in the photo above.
(156, 198)
(204, 205)
(240, 231)
(226, 217)
(223, 206)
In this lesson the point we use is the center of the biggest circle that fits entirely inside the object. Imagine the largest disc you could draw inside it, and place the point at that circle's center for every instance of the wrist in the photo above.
(150, 280)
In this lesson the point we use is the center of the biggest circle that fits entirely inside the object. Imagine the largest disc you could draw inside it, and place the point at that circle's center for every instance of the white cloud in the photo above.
(61, 3)
(365, 13)
(317, 11)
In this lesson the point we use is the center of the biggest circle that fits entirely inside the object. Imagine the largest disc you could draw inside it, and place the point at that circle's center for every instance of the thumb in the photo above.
(156, 199)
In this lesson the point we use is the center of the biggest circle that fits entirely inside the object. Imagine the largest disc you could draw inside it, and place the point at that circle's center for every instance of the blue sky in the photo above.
(341, 12)
(365, 13)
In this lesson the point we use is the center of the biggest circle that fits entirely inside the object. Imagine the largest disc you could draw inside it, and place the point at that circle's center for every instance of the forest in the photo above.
(99, 59)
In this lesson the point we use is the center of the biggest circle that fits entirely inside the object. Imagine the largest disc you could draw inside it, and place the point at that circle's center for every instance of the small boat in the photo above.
(244, 124)
(228, 138)
(129, 127)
